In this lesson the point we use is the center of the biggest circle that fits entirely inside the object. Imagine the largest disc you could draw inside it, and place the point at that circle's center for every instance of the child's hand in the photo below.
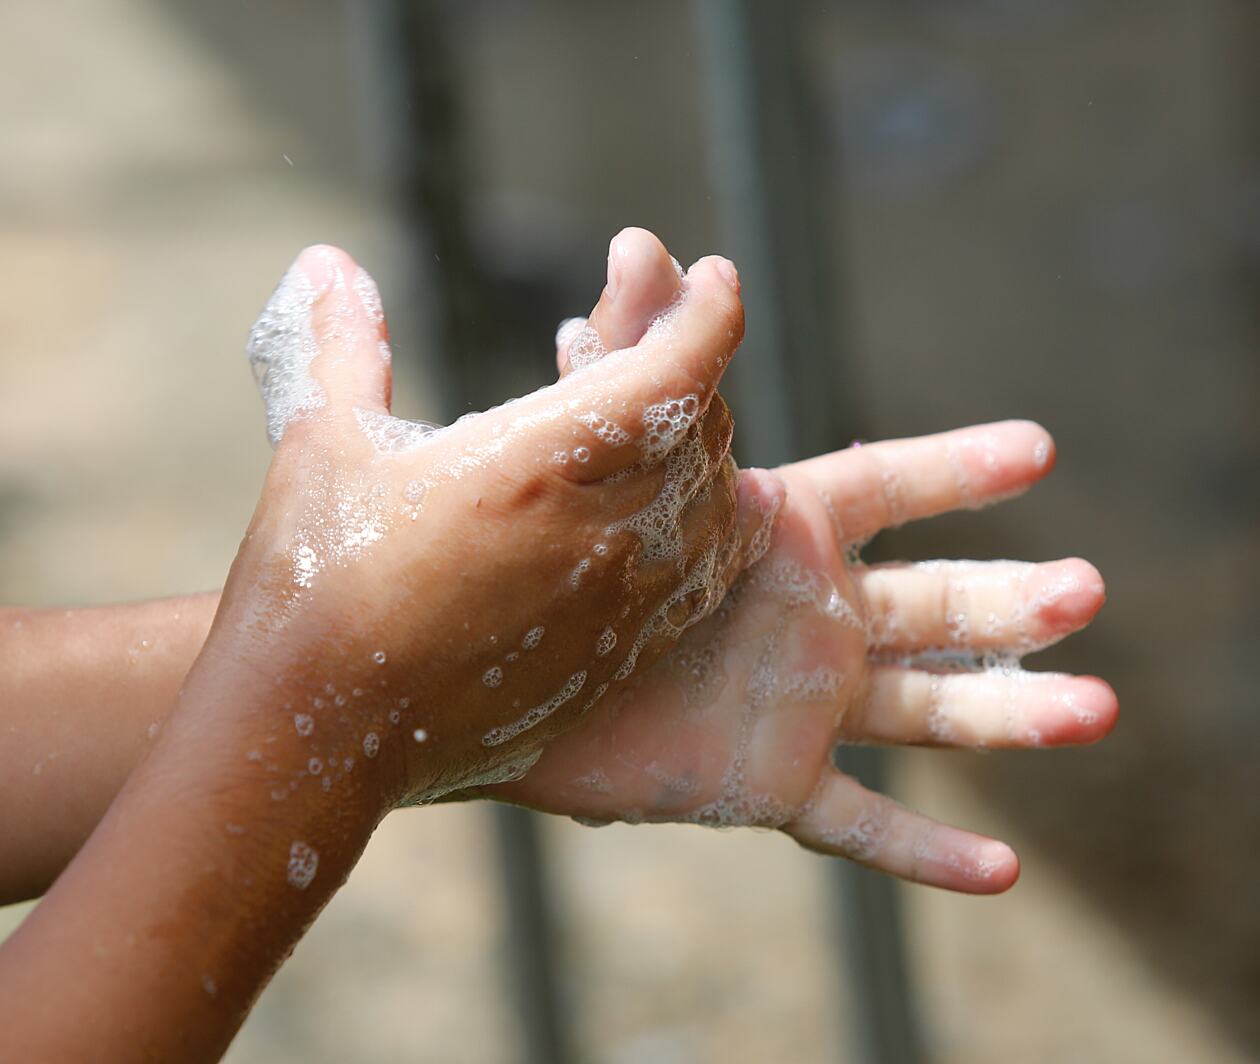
(812, 648)
(440, 602)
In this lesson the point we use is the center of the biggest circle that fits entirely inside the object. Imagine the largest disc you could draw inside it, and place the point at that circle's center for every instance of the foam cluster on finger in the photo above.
(282, 345)
(281, 348)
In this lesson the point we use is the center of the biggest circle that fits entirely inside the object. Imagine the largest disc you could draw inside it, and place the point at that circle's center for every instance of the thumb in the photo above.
(643, 399)
(321, 343)
(643, 280)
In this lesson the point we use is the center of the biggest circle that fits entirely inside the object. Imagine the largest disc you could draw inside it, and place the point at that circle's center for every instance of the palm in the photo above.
(736, 726)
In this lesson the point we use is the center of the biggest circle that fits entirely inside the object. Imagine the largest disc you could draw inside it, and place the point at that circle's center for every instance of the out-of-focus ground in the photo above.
(1049, 211)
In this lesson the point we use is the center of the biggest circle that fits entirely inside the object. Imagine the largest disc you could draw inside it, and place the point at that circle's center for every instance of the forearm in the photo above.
(82, 695)
(190, 892)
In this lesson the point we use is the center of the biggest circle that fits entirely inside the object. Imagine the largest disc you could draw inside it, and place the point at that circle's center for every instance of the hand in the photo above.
(443, 601)
(812, 648)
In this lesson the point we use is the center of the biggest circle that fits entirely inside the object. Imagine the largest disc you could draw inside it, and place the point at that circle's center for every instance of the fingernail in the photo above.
(615, 255)
(322, 266)
(731, 275)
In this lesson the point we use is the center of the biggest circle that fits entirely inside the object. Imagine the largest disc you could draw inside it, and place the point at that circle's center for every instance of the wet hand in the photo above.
(737, 725)
(428, 606)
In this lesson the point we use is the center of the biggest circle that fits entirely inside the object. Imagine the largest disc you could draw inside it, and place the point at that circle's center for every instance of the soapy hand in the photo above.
(811, 648)
(441, 601)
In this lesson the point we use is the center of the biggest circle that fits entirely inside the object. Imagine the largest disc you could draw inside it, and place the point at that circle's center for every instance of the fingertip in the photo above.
(713, 279)
(636, 232)
(1089, 577)
(1083, 712)
(970, 864)
(687, 347)
(642, 283)
(347, 321)
(323, 265)
(1068, 594)
(1039, 444)
(1104, 705)
(1000, 460)
(720, 266)
(634, 242)
(1006, 868)
(991, 867)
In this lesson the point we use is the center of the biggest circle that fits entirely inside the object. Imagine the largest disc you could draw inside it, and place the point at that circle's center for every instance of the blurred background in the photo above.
(944, 212)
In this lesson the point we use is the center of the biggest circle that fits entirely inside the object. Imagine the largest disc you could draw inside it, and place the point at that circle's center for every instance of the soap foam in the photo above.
(303, 863)
(533, 637)
(567, 330)
(392, 435)
(798, 586)
(860, 841)
(667, 436)
(539, 713)
(280, 350)
(605, 431)
(585, 347)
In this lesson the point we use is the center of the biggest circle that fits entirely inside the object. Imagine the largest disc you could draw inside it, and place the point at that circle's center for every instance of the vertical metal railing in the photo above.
(760, 142)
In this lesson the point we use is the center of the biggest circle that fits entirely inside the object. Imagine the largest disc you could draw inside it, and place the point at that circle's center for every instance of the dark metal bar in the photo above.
(532, 936)
(411, 127)
(787, 391)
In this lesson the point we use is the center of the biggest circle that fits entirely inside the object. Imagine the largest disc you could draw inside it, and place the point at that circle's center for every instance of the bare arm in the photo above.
(159, 935)
(83, 693)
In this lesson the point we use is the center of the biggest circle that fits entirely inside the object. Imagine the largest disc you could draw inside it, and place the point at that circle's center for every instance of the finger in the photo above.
(989, 708)
(880, 485)
(761, 496)
(687, 477)
(845, 819)
(978, 605)
(566, 332)
(353, 360)
(642, 282)
(321, 342)
(637, 404)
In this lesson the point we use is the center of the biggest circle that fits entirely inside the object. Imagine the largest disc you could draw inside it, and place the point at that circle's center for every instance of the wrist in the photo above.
(277, 748)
